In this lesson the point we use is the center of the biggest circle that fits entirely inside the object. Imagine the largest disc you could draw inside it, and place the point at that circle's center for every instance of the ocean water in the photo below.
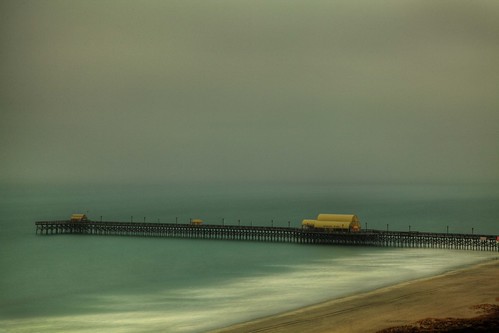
(83, 283)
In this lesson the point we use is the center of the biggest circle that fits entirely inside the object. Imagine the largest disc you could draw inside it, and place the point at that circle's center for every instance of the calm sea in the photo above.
(78, 283)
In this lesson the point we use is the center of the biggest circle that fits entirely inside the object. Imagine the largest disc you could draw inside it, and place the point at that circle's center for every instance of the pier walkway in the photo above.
(273, 234)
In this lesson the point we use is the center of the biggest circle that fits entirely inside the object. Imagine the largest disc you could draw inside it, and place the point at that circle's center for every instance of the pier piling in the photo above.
(273, 234)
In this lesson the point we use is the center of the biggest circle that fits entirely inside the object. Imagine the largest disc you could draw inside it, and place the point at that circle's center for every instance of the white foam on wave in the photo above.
(289, 287)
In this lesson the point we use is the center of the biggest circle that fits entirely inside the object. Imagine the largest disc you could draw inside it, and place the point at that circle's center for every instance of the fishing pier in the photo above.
(273, 234)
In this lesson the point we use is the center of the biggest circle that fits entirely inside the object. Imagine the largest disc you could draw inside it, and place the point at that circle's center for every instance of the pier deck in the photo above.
(273, 234)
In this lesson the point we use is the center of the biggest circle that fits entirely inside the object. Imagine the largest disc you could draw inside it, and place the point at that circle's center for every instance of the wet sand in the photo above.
(452, 294)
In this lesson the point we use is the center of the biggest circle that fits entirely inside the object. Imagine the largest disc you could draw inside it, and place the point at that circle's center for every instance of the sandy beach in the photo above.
(452, 294)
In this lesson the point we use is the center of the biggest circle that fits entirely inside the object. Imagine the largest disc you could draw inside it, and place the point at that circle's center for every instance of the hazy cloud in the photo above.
(249, 90)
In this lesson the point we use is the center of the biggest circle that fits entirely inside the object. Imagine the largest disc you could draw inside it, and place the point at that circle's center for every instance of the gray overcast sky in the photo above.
(321, 91)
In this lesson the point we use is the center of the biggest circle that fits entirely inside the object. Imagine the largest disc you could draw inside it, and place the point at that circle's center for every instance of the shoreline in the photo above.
(449, 294)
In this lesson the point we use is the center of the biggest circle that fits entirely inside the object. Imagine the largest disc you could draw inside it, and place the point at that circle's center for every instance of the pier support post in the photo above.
(276, 234)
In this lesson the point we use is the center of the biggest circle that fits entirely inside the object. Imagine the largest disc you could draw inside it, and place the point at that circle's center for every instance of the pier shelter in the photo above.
(196, 221)
(79, 218)
(332, 222)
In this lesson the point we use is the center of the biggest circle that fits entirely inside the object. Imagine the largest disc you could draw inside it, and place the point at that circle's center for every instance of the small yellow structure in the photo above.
(338, 217)
(196, 221)
(334, 222)
(79, 218)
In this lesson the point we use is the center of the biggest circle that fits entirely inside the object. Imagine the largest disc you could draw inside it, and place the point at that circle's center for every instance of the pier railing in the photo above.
(273, 234)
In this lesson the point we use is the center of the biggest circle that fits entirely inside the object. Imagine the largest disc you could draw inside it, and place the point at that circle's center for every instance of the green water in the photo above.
(80, 283)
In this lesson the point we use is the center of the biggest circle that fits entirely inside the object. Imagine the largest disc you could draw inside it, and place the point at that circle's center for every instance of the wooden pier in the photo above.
(273, 234)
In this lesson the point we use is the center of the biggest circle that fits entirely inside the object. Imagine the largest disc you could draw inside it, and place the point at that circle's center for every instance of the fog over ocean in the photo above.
(82, 283)
(258, 111)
